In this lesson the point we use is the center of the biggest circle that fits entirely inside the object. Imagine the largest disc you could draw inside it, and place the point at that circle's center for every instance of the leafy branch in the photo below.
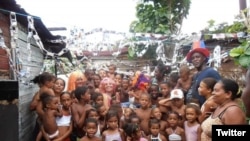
(241, 54)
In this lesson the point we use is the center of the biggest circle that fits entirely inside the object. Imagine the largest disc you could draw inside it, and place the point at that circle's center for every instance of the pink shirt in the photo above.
(191, 132)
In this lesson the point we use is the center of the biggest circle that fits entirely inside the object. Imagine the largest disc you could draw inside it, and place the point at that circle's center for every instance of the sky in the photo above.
(201, 11)
(88, 14)
(118, 14)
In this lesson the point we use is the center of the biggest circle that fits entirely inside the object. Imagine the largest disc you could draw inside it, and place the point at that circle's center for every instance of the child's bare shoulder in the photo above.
(163, 138)
(210, 102)
(181, 130)
(168, 130)
(104, 133)
(98, 139)
(184, 106)
(191, 76)
(137, 110)
(47, 90)
(83, 139)
(52, 113)
(77, 107)
(93, 139)
(180, 81)
(121, 130)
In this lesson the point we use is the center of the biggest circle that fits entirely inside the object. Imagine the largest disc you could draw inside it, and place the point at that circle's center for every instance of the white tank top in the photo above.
(98, 132)
(63, 121)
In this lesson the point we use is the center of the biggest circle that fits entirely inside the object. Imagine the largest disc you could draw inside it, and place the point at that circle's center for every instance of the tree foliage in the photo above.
(160, 16)
(241, 54)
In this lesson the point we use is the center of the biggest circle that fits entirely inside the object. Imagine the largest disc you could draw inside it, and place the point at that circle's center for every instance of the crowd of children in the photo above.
(108, 106)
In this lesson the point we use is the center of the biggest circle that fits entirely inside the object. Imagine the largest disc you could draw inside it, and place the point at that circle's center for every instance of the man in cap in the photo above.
(199, 58)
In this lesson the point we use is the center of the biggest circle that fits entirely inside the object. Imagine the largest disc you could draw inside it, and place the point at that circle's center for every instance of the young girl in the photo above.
(111, 71)
(131, 99)
(59, 87)
(97, 99)
(133, 132)
(92, 113)
(133, 118)
(49, 128)
(156, 114)
(125, 117)
(118, 79)
(205, 89)
(154, 127)
(124, 92)
(97, 80)
(191, 125)
(90, 127)
(102, 111)
(103, 73)
(111, 130)
(74, 99)
(64, 123)
(118, 109)
(174, 132)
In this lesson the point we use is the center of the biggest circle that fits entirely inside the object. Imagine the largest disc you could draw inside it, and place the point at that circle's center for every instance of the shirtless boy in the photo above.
(79, 109)
(144, 112)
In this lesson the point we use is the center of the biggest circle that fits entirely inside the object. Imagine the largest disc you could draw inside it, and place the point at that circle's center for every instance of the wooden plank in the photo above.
(33, 71)
(34, 65)
(23, 37)
(25, 131)
(24, 52)
(25, 98)
(27, 90)
(27, 118)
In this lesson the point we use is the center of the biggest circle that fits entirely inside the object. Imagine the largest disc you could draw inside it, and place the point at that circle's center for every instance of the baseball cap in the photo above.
(176, 93)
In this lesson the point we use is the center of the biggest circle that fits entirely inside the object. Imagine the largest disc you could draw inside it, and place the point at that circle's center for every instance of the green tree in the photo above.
(160, 16)
(211, 23)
